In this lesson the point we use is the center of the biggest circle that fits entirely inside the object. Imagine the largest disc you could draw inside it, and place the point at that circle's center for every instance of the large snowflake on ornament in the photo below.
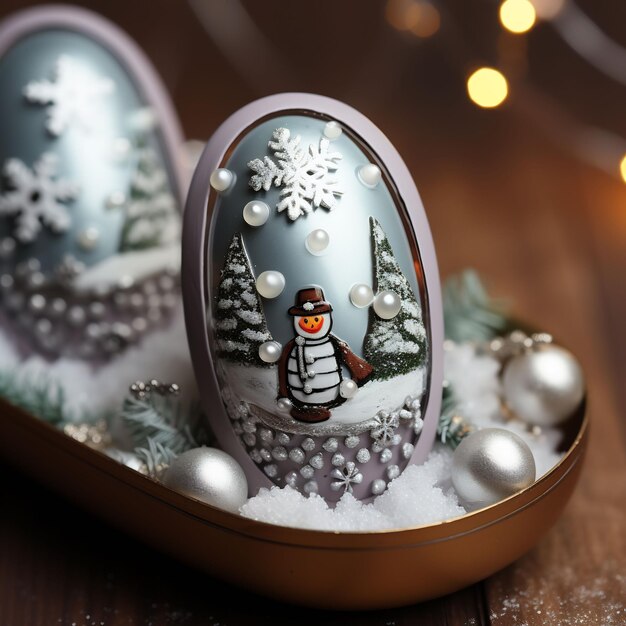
(304, 175)
(70, 95)
(35, 197)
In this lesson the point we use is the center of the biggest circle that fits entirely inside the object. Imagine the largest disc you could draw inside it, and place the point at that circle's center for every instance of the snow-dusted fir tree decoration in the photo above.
(70, 94)
(304, 175)
(240, 323)
(398, 345)
(151, 210)
(35, 197)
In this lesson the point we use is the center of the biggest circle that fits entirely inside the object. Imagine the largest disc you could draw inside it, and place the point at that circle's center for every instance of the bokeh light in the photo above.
(548, 9)
(426, 20)
(517, 16)
(420, 17)
(487, 87)
(622, 168)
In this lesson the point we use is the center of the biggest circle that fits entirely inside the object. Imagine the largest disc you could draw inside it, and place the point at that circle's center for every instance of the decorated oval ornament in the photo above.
(312, 299)
(91, 191)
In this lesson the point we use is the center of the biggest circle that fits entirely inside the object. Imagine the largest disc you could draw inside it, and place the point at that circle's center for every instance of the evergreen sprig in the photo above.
(469, 313)
(40, 396)
(155, 456)
(452, 428)
(160, 420)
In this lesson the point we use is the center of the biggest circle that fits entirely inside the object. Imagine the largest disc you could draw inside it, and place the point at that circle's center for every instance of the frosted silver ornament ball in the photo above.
(208, 475)
(490, 465)
(543, 386)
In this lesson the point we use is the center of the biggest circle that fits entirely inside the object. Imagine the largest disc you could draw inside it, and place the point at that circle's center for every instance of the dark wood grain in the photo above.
(545, 230)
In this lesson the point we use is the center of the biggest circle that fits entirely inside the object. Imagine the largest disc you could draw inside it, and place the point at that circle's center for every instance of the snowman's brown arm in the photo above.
(359, 368)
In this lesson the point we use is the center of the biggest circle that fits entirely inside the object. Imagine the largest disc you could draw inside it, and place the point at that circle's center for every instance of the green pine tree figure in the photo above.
(152, 217)
(240, 323)
(396, 346)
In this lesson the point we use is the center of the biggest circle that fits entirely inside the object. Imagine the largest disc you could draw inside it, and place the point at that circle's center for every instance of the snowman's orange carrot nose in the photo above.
(311, 324)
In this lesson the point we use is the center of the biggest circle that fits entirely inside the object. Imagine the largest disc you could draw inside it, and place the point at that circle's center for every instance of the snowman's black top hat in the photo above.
(310, 301)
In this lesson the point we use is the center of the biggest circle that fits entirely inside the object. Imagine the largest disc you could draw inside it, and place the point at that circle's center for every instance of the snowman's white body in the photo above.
(314, 372)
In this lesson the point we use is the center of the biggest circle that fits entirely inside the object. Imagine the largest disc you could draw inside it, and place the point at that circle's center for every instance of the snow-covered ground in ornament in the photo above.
(91, 391)
(259, 386)
(421, 494)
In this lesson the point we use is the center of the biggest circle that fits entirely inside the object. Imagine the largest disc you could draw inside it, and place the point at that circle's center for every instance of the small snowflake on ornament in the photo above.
(385, 427)
(70, 95)
(304, 175)
(35, 197)
(345, 477)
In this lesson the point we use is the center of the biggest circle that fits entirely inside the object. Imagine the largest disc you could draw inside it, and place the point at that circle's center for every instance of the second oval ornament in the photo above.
(306, 383)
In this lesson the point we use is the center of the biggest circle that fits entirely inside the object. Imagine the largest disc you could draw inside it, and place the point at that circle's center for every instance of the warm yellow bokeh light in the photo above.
(487, 87)
(622, 168)
(518, 16)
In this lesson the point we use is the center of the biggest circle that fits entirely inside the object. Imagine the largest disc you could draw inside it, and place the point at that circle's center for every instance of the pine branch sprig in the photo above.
(40, 396)
(470, 314)
(161, 420)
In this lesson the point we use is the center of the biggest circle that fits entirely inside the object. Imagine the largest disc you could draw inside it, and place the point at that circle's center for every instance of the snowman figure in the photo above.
(310, 366)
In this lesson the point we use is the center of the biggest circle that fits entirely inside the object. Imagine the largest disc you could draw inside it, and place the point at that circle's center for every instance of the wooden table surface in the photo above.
(545, 229)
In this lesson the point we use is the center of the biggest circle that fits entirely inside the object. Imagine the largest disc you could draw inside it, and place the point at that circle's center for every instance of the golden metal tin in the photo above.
(387, 568)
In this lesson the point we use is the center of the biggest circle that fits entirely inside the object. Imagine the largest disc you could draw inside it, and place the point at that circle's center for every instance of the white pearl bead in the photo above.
(332, 130)
(269, 352)
(221, 179)
(88, 238)
(317, 241)
(543, 387)
(387, 304)
(348, 388)
(370, 175)
(361, 295)
(256, 213)
(270, 284)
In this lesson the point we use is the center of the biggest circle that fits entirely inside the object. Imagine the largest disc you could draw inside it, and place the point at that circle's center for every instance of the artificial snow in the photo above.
(422, 494)
(136, 265)
(91, 390)
(258, 385)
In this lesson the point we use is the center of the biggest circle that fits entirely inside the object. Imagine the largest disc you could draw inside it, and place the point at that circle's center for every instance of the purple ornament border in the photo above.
(197, 226)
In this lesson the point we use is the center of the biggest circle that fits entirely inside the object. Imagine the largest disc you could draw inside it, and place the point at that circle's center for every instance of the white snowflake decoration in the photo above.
(304, 175)
(71, 94)
(345, 477)
(35, 197)
(384, 428)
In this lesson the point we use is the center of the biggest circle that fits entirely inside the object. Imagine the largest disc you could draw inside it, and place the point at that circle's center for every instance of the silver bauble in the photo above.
(209, 475)
(490, 465)
(543, 386)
